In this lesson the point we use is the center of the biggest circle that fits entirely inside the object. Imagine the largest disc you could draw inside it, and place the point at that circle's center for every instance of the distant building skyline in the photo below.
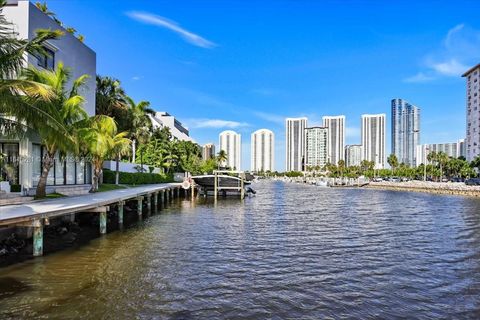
(452, 149)
(316, 144)
(262, 151)
(373, 138)
(295, 143)
(336, 137)
(230, 142)
(405, 130)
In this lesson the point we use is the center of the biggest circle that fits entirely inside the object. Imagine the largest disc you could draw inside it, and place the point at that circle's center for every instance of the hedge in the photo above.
(135, 178)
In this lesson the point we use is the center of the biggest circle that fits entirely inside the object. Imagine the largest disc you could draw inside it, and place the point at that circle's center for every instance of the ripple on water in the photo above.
(293, 251)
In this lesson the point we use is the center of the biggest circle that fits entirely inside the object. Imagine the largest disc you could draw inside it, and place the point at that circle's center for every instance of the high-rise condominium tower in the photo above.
(316, 147)
(353, 155)
(473, 112)
(336, 138)
(262, 150)
(208, 151)
(295, 143)
(405, 131)
(373, 139)
(230, 142)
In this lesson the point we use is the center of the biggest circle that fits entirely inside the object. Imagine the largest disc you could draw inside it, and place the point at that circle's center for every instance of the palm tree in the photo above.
(64, 107)
(221, 157)
(12, 61)
(341, 166)
(392, 160)
(442, 159)
(44, 8)
(100, 139)
(140, 123)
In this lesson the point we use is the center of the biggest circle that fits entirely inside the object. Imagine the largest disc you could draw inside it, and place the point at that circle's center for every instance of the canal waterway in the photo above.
(292, 252)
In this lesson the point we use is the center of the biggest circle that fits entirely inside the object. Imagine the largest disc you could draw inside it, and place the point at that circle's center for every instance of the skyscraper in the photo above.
(405, 131)
(452, 149)
(208, 151)
(353, 155)
(373, 139)
(473, 113)
(336, 138)
(262, 150)
(295, 143)
(316, 146)
(230, 142)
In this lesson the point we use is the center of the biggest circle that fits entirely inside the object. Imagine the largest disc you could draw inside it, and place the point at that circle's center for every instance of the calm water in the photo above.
(293, 251)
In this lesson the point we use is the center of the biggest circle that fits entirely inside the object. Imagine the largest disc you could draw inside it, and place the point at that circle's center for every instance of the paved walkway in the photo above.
(13, 214)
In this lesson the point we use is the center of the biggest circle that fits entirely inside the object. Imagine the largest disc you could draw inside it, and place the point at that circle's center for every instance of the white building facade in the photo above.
(231, 142)
(336, 138)
(373, 139)
(472, 141)
(316, 141)
(262, 151)
(208, 151)
(353, 155)
(452, 149)
(295, 143)
(177, 129)
(24, 156)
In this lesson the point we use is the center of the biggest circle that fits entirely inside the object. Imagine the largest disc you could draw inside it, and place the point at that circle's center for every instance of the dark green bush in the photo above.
(16, 188)
(136, 178)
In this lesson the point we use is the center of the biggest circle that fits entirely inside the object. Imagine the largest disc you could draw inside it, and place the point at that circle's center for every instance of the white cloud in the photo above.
(418, 78)
(136, 78)
(459, 49)
(275, 118)
(449, 68)
(215, 123)
(159, 21)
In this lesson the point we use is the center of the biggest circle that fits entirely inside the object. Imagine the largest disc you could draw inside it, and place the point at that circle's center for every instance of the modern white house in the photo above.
(22, 165)
(231, 142)
(295, 143)
(373, 139)
(177, 129)
(336, 137)
(262, 150)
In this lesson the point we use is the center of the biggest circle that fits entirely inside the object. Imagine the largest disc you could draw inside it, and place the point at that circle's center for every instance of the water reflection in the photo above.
(293, 251)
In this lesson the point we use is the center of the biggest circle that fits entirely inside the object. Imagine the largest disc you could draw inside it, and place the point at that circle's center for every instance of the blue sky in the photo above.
(246, 65)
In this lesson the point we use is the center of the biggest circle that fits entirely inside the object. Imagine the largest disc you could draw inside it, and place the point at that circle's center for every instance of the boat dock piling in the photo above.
(37, 214)
(240, 187)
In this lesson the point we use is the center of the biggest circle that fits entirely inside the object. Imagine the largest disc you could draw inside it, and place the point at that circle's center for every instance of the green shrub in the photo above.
(136, 178)
(16, 188)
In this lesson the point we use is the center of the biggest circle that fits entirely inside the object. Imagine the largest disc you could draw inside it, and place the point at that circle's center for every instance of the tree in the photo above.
(140, 123)
(99, 137)
(110, 99)
(18, 110)
(341, 167)
(221, 157)
(393, 162)
(64, 107)
(442, 159)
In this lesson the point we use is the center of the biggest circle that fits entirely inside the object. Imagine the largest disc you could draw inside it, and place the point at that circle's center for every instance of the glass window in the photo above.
(88, 173)
(46, 60)
(10, 166)
(51, 173)
(36, 163)
(70, 170)
(59, 170)
(81, 172)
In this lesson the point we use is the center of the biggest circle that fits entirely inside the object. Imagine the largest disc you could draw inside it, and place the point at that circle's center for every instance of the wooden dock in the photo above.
(37, 214)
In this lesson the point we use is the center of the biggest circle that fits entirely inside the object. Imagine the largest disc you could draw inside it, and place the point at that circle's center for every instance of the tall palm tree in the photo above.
(100, 139)
(64, 107)
(140, 123)
(393, 162)
(12, 61)
(442, 159)
(221, 157)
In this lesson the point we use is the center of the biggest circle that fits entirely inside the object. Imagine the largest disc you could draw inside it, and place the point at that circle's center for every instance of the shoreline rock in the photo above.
(447, 188)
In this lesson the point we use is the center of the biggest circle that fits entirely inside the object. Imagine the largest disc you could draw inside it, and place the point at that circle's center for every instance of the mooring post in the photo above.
(120, 213)
(242, 189)
(215, 187)
(149, 204)
(155, 202)
(167, 196)
(103, 222)
(139, 207)
(170, 196)
(37, 238)
(162, 199)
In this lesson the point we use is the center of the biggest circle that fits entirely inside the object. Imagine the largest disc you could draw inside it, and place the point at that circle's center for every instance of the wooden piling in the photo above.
(37, 238)
(103, 222)
(155, 202)
(120, 213)
(139, 207)
(149, 204)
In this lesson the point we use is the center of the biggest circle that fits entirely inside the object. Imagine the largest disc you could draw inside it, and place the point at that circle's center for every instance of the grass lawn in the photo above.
(109, 187)
(55, 196)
